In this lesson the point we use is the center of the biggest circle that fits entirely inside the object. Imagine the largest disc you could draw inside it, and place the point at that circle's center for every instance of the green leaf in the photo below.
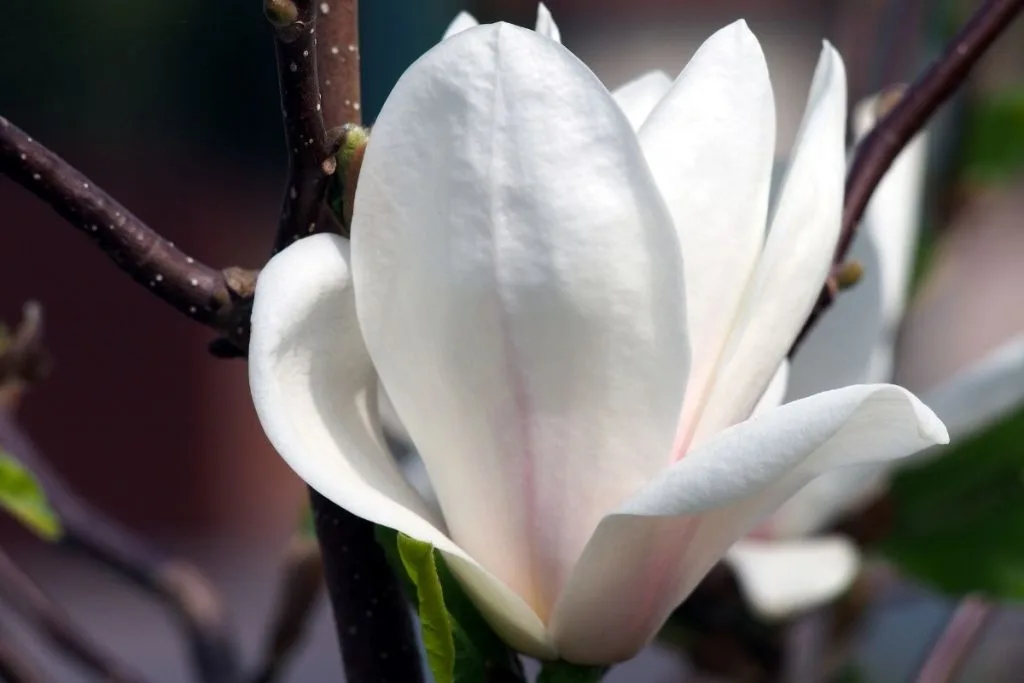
(448, 616)
(418, 560)
(994, 141)
(959, 519)
(564, 672)
(23, 497)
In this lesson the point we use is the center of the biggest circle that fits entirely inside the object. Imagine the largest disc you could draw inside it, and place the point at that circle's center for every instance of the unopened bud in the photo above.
(351, 146)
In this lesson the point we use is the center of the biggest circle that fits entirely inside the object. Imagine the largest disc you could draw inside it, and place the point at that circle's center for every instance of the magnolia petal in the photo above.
(546, 26)
(519, 286)
(983, 393)
(314, 390)
(638, 97)
(710, 143)
(461, 22)
(647, 557)
(826, 499)
(783, 578)
(797, 254)
(775, 393)
(855, 339)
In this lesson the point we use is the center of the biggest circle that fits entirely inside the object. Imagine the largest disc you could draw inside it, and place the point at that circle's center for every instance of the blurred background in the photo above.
(173, 108)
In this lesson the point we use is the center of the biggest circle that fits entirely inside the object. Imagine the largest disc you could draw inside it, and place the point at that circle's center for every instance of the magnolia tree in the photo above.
(627, 382)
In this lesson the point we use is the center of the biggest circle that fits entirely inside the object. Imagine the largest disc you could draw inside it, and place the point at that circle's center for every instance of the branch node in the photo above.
(281, 13)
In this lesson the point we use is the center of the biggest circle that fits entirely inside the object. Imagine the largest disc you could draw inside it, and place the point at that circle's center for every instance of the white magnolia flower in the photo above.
(574, 313)
(783, 568)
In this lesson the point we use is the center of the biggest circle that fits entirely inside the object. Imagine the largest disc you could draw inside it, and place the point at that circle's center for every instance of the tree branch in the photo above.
(178, 585)
(373, 618)
(310, 160)
(29, 600)
(368, 606)
(338, 61)
(961, 633)
(880, 148)
(301, 583)
(215, 298)
(366, 601)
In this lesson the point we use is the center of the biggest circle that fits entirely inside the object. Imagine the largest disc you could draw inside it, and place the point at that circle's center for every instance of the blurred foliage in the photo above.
(23, 497)
(994, 143)
(959, 518)
(447, 616)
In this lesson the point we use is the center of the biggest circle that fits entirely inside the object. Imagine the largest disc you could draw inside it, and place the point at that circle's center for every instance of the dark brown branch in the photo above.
(373, 618)
(28, 600)
(191, 287)
(310, 159)
(189, 596)
(959, 636)
(302, 583)
(880, 148)
(338, 61)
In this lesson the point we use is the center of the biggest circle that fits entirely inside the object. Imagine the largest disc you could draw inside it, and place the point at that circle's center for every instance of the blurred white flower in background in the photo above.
(784, 568)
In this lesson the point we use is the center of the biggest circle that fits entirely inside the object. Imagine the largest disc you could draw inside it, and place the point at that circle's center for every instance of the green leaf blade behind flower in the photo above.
(23, 498)
(436, 627)
(959, 518)
(480, 656)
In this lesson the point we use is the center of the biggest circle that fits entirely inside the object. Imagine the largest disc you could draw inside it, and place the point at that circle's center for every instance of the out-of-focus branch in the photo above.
(338, 61)
(302, 582)
(880, 148)
(15, 666)
(959, 636)
(806, 644)
(721, 635)
(213, 297)
(29, 601)
(23, 359)
(181, 587)
(310, 157)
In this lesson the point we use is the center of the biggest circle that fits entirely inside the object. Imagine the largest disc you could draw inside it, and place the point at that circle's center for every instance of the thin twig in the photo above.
(880, 148)
(302, 583)
(28, 599)
(213, 297)
(310, 160)
(338, 62)
(23, 358)
(959, 636)
(178, 585)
